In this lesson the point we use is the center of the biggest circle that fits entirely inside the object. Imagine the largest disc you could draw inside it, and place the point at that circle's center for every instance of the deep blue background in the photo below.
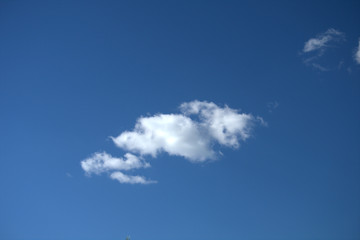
(73, 73)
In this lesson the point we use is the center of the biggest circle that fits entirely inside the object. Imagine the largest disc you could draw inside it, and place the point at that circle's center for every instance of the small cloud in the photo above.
(123, 178)
(357, 54)
(261, 121)
(322, 40)
(272, 106)
(315, 49)
(340, 65)
(68, 175)
(319, 67)
(104, 162)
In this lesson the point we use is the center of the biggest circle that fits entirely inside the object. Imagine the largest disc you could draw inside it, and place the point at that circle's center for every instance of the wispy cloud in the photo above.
(319, 67)
(315, 48)
(123, 178)
(322, 40)
(193, 134)
(357, 54)
(272, 106)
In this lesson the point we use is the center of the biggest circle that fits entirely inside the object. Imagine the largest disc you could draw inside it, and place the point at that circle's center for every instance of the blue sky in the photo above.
(247, 120)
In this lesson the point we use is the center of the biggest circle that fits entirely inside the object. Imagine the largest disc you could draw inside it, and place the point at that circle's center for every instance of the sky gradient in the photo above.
(271, 151)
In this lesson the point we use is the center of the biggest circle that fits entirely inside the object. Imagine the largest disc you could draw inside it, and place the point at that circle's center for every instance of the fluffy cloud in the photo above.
(192, 133)
(180, 135)
(225, 125)
(357, 54)
(322, 40)
(173, 133)
(104, 162)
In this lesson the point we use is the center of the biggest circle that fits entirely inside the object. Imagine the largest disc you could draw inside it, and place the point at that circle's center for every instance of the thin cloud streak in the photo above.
(357, 54)
(319, 67)
(123, 178)
(322, 40)
(315, 48)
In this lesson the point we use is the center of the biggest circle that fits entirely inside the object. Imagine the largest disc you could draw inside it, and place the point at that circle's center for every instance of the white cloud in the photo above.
(104, 162)
(173, 133)
(191, 134)
(123, 178)
(225, 125)
(178, 134)
(357, 54)
(322, 40)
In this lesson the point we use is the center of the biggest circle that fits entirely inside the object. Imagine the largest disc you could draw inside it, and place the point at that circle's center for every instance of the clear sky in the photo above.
(247, 120)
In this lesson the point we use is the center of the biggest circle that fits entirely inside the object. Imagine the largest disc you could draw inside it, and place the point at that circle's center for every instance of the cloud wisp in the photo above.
(357, 54)
(315, 48)
(193, 134)
(322, 40)
(123, 178)
(272, 106)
